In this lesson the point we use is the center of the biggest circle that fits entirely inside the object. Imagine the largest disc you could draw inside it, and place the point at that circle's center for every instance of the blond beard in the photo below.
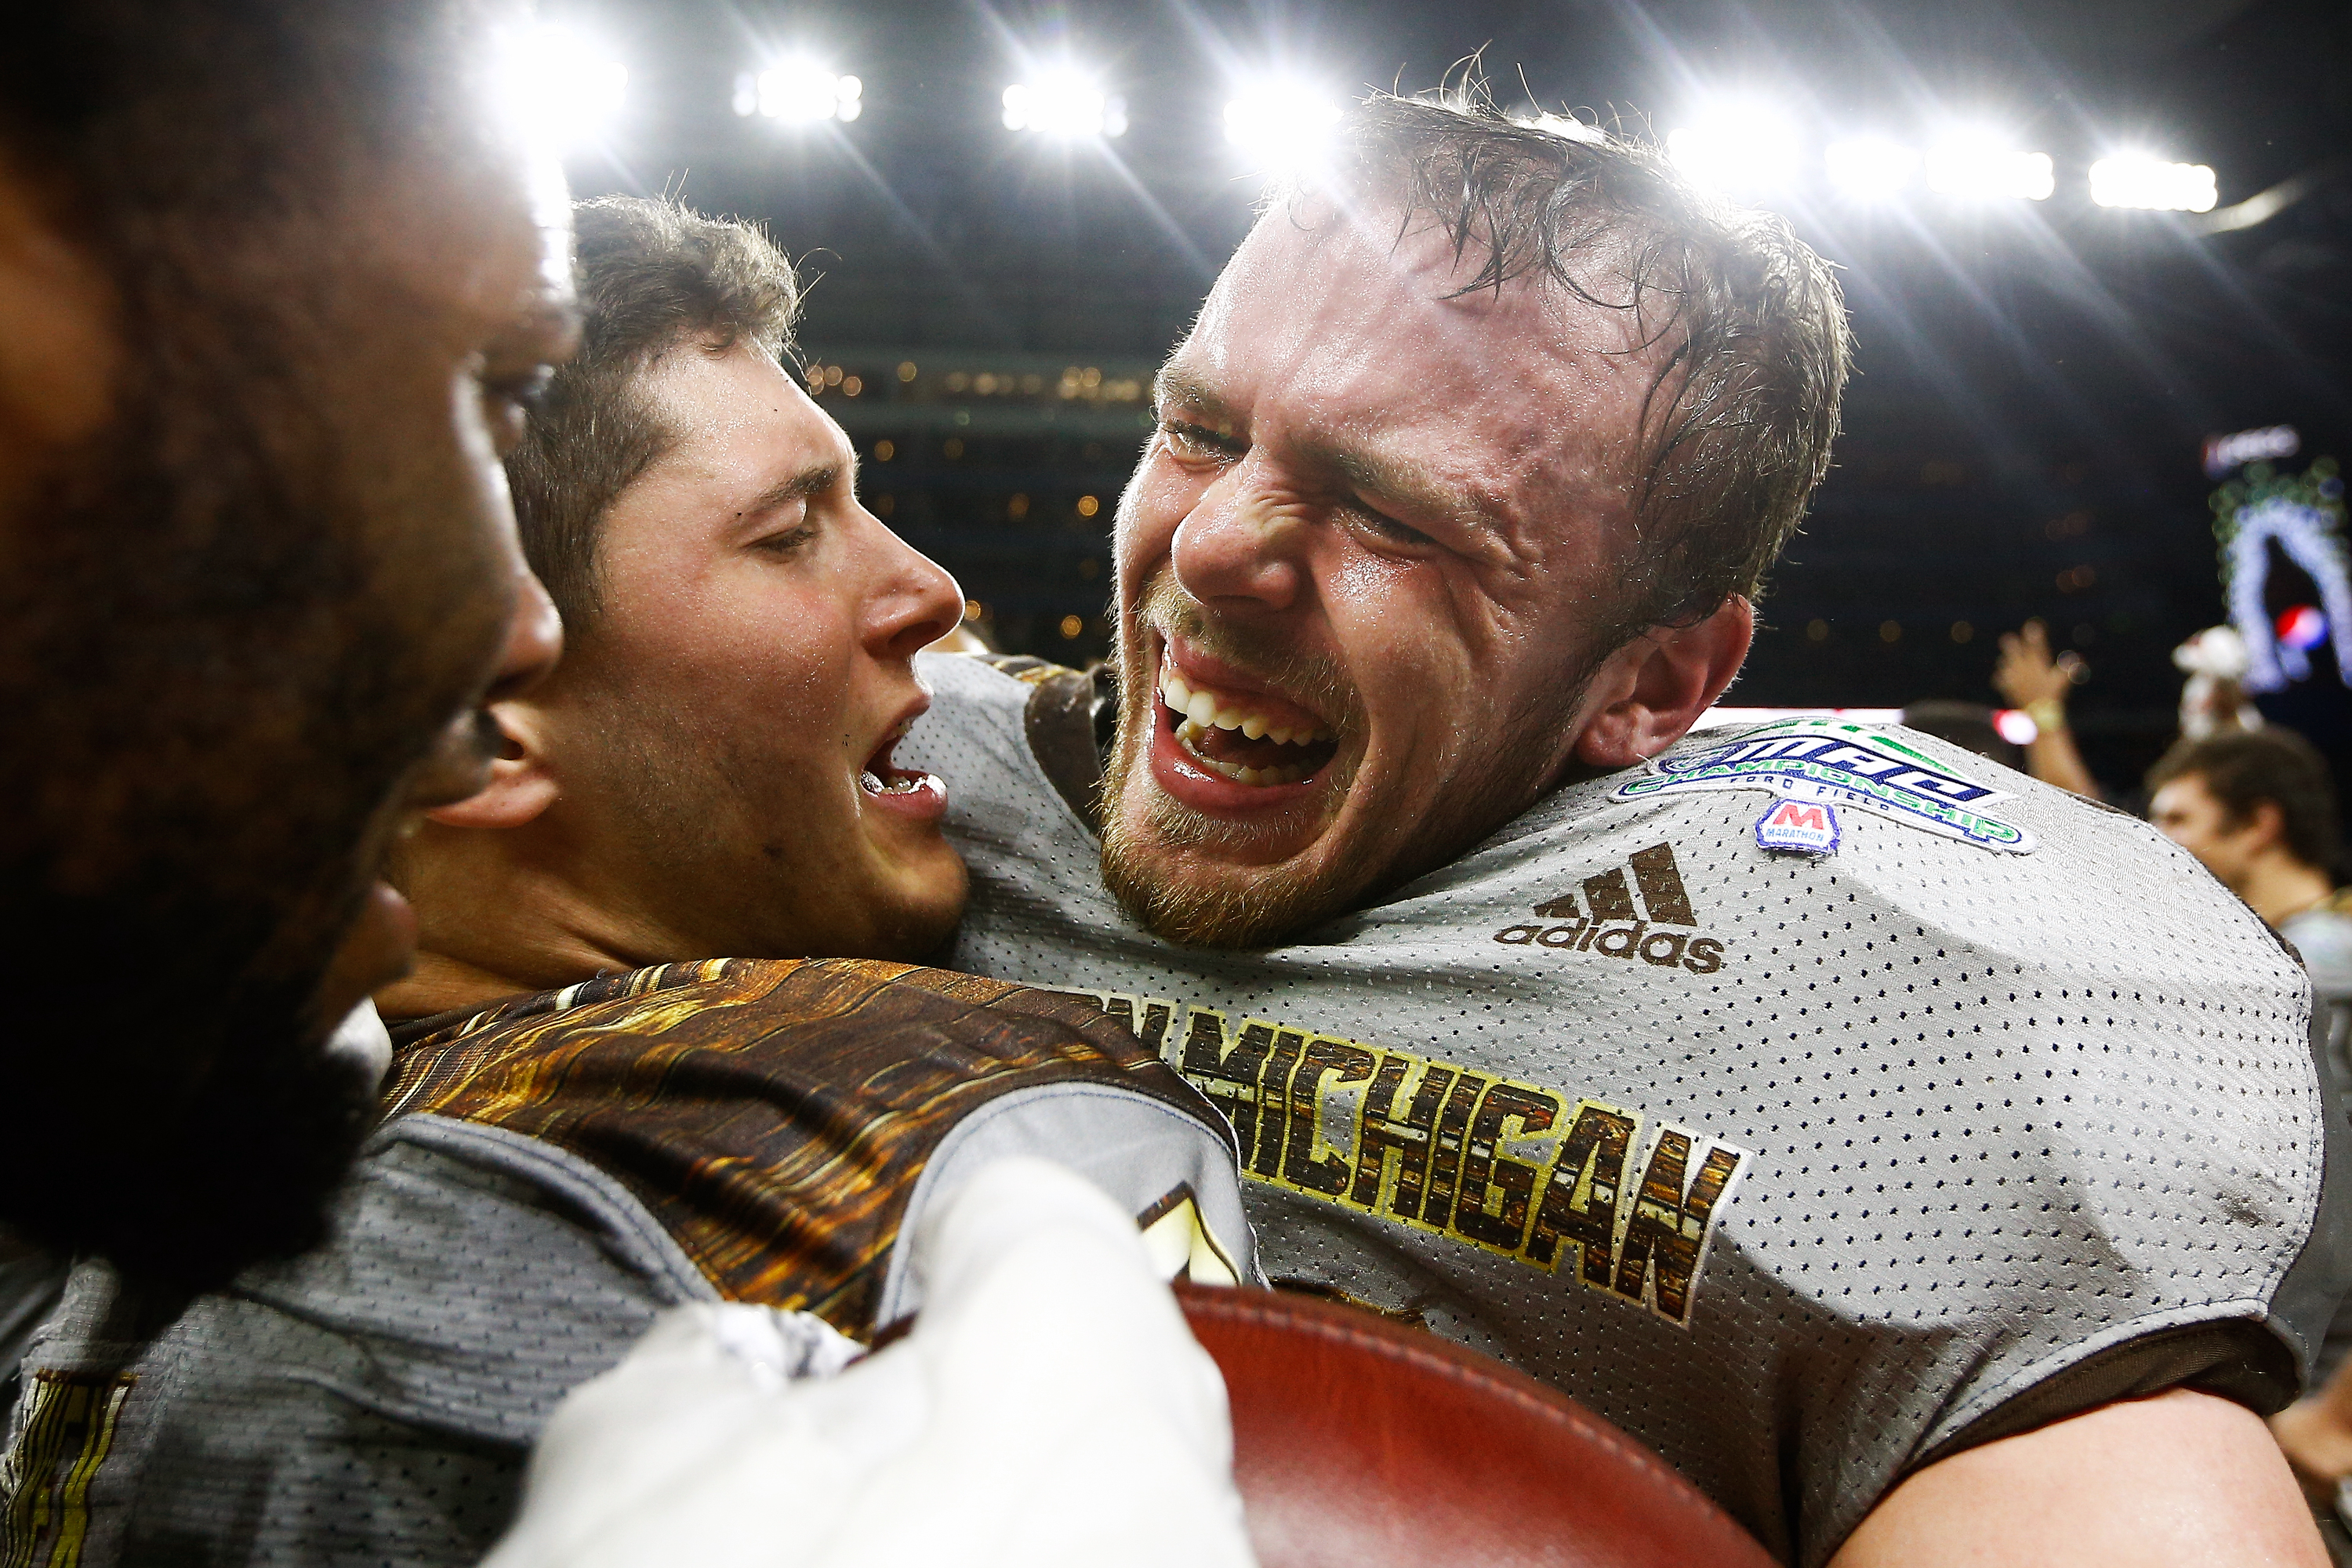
(1277, 904)
(1268, 906)
(1261, 907)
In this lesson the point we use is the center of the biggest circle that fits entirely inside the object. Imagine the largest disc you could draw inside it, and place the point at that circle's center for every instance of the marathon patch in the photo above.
(1826, 762)
(1799, 827)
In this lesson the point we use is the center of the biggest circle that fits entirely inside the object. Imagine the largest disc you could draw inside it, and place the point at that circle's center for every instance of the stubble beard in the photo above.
(1250, 907)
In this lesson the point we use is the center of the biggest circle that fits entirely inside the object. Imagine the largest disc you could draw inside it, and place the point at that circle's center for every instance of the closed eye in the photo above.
(786, 542)
(509, 400)
(1384, 527)
(1190, 439)
(527, 392)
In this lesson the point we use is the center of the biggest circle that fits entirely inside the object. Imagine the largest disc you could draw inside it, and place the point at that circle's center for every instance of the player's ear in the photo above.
(1648, 694)
(60, 355)
(2264, 824)
(522, 779)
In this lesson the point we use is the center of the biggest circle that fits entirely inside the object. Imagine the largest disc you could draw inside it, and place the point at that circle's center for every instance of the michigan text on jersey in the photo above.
(1515, 1168)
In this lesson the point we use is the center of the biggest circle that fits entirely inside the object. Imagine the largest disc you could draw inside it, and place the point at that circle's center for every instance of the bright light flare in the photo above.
(1981, 167)
(800, 92)
(563, 89)
(1871, 168)
(1281, 125)
(1065, 104)
(1569, 127)
(1737, 151)
(2016, 726)
(2138, 181)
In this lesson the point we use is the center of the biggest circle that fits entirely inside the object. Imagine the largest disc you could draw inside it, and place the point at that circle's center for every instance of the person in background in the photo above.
(2258, 810)
(2037, 684)
(2214, 698)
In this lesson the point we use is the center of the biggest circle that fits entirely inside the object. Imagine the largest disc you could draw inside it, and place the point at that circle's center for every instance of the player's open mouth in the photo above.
(880, 779)
(1258, 742)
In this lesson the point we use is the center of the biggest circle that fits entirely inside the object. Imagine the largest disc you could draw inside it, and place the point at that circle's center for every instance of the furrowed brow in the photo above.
(1407, 487)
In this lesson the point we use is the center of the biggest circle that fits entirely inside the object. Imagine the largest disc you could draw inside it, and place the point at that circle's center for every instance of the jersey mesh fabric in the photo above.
(374, 1402)
(1975, 1117)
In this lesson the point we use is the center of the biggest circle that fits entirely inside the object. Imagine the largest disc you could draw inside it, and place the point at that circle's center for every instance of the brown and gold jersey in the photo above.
(778, 1117)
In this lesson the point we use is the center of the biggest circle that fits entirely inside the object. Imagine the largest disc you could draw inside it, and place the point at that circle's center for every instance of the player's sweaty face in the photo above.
(252, 611)
(1363, 568)
(724, 724)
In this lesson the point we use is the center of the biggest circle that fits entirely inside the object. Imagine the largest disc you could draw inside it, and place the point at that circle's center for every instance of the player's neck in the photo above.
(2278, 887)
(496, 919)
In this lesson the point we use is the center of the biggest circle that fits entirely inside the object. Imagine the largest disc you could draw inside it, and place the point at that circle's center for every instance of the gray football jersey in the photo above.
(1812, 1102)
(375, 1401)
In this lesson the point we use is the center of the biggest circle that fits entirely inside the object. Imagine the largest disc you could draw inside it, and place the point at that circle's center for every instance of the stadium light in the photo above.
(1280, 125)
(800, 92)
(564, 89)
(1736, 151)
(1981, 167)
(2141, 182)
(1067, 104)
(1871, 168)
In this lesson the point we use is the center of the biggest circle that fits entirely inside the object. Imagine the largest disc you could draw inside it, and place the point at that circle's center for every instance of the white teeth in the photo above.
(872, 784)
(1256, 776)
(1204, 711)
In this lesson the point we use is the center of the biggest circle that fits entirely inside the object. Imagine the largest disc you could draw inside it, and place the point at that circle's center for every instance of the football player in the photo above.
(1928, 1162)
(277, 283)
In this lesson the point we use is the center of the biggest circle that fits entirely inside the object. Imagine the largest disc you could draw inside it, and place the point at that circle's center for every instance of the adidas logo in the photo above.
(1660, 930)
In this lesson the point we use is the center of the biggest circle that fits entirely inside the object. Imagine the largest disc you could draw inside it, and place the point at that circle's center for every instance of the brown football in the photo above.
(1362, 1443)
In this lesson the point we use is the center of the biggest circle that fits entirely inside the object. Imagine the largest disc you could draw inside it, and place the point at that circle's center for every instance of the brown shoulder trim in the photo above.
(1060, 725)
(1027, 669)
(1064, 724)
(455, 1021)
(774, 1117)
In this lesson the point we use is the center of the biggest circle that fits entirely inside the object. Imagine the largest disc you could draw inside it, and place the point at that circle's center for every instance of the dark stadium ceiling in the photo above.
(2036, 377)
